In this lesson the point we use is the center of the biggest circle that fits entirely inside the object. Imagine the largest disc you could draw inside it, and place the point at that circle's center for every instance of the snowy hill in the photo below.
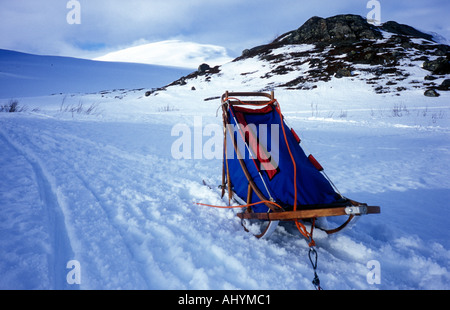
(171, 53)
(91, 177)
(24, 75)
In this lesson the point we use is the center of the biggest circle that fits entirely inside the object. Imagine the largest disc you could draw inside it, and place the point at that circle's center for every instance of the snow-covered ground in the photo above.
(92, 178)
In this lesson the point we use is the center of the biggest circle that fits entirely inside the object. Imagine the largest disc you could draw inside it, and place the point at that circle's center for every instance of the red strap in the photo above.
(297, 138)
(262, 155)
(315, 163)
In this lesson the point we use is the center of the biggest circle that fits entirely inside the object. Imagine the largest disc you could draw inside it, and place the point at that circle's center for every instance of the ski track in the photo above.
(23, 224)
(61, 249)
(83, 212)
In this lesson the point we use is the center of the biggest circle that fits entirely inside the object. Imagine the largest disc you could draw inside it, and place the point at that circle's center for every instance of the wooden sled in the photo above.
(276, 213)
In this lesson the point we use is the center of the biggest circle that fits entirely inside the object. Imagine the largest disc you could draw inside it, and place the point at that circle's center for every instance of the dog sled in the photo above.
(267, 170)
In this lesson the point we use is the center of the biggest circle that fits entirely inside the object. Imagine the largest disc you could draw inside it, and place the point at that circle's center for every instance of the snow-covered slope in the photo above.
(390, 64)
(93, 178)
(32, 75)
(171, 53)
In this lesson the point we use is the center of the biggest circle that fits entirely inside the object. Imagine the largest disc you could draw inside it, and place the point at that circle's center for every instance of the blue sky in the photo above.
(41, 26)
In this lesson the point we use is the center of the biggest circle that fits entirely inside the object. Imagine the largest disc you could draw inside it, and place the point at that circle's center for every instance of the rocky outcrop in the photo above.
(331, 30)
(439, 66)
(203, 68)
(431, 93)
(445, 85)
(345, 28)
(405, 30)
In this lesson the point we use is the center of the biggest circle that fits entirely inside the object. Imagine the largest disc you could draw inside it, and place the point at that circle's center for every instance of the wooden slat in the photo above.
(249, 102)
(248, 94)
(302, 214)
(373, 210)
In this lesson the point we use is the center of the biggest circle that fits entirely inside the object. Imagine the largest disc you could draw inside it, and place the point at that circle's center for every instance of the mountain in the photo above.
(24, 75)
(391, 58)
(174, 53)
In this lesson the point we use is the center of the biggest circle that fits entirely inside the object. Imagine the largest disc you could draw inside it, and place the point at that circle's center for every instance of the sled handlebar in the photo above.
(270, 96)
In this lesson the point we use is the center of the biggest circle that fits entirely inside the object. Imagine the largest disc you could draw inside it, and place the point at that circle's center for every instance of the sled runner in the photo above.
(267, 169)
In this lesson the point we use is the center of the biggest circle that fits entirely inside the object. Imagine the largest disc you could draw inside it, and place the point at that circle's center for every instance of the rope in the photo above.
(301, 228)
(239, 206)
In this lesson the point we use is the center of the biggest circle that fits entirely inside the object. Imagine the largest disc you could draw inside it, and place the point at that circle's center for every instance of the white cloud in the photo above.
(41, 27)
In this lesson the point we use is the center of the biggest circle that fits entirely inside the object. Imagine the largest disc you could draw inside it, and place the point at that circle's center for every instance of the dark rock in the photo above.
(430, 78)
(343, 72)
(182, 81)
(203, 68)
(438, 66)
(445, 85)
(431, 93)
(405, 30)
(421, 58)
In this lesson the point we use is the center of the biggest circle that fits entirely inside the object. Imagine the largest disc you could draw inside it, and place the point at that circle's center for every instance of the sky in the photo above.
(101, 26)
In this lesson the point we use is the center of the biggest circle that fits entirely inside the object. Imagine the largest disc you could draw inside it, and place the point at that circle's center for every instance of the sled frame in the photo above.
(349, 208)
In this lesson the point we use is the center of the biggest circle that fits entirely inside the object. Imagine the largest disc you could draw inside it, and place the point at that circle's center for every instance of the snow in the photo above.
(171, 52)
(101, 186)
(24, 75)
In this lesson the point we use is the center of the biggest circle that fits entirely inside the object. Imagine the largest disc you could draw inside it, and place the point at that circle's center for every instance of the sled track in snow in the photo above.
(109, 213)
(61, 251)
(82, 218)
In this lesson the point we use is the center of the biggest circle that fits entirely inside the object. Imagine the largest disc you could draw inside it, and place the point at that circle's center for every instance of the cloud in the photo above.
(106, 25)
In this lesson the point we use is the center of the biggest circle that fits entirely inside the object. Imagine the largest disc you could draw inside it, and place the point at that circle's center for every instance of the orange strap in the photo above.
(239, 206)
(301, 228)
